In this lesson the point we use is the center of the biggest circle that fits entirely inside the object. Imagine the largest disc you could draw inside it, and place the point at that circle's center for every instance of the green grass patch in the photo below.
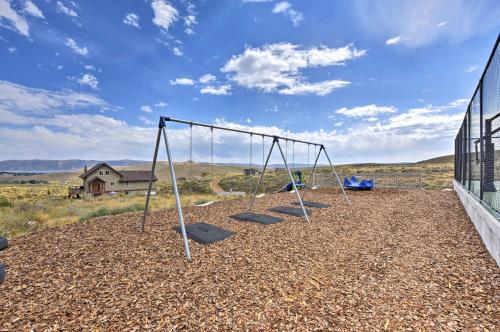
(104, 211)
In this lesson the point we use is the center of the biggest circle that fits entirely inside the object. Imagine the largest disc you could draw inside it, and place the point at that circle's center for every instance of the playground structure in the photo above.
(211, 232)
(298, 183)
(355, 184)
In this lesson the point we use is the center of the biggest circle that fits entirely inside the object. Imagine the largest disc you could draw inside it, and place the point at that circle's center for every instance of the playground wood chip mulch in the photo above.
(398, 259)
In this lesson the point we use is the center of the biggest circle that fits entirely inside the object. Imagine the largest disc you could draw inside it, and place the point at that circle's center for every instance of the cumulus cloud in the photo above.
(207, 78)
(221, 90)
(182, 81)
(89, 80)
(76, 48)
(146, 108)
(277, 67)
(62, 8)
(31, 9)
(12, 19)
(286, 9)
(132, 19)
(164, 14)
(177, 51)
(31, 123)
(366, 111)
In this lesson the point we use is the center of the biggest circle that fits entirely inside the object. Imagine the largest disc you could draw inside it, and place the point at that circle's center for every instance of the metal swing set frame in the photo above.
(162, 131)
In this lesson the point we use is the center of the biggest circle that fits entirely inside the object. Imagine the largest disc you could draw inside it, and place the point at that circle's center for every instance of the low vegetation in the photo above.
(44, 203)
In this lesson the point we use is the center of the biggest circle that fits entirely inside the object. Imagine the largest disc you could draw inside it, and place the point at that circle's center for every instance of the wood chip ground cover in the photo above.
(399, 259)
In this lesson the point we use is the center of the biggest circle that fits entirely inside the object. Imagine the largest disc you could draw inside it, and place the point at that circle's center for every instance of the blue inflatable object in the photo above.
(353, 183)
(298, 183)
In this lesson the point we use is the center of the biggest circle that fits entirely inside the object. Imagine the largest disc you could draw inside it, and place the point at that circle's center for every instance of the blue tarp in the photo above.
(353, 183)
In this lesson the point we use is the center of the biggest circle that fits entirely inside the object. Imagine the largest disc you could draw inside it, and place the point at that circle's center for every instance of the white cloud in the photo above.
(190, 20)
(32, 9)
(90, 67)
(146, 108)
(145, 120)
(286, 9)
(320, 89)
(61, 8)
(189, 31)
(16, 21)
(161, 104)
(207, 78)
(164, 14)
(221, 90)
(277, 67)
(412, 135)
(177, 51)
(11, 49)
(77, 49)
(366, 111)
(273, 109)
(89, 80)
(426, 22)
(132, 19)
(258, 1)
(24, 100)
(393, 40)
(182, 81)
(472, 69)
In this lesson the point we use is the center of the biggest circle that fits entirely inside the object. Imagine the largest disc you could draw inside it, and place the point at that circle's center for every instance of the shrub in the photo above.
(5, 203)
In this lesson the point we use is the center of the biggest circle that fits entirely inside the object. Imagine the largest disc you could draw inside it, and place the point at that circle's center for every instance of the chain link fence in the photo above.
(477, 159)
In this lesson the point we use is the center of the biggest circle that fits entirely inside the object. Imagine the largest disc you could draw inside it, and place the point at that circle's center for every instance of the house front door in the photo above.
(96, 188)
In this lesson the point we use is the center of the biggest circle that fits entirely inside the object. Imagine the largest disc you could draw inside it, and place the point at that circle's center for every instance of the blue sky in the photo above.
(375, 81)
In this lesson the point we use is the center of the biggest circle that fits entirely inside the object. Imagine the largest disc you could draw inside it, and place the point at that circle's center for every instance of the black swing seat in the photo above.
(4, 243)
(313, 204)
(262, 219)
(2, 273)
(297, 212)
(205, 233)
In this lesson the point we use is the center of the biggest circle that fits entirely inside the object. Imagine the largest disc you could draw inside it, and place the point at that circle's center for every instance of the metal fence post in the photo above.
(481, 149)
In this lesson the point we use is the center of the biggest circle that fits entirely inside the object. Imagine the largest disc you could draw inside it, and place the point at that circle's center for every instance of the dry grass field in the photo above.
(28, 207)
(410, 261)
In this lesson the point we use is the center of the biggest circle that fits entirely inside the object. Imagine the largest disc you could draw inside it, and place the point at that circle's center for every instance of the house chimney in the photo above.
(85, 169)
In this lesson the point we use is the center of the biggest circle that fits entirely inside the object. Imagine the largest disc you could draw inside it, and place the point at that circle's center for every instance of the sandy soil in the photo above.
(399, 259)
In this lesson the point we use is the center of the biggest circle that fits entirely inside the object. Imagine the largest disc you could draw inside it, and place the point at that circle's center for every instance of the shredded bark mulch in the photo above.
(398, 259)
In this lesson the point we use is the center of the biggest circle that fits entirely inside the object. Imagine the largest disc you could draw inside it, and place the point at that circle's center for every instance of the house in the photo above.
(103, 178)
(250, 171)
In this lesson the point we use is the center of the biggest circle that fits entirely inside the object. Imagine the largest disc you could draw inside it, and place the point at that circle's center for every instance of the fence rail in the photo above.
(477, 159)
(381, 180)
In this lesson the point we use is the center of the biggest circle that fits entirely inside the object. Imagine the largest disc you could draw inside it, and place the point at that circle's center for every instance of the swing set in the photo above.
(248, 216)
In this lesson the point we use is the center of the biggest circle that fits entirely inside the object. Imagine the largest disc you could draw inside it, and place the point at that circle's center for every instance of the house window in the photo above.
(101, 173)
(107, 172)
(112, 183)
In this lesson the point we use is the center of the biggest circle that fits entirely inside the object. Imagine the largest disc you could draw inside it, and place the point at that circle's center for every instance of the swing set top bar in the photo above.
(166, 118)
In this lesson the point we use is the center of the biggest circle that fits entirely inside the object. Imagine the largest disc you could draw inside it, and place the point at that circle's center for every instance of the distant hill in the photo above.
(439, 160)
(43, 166)
(51, 166)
